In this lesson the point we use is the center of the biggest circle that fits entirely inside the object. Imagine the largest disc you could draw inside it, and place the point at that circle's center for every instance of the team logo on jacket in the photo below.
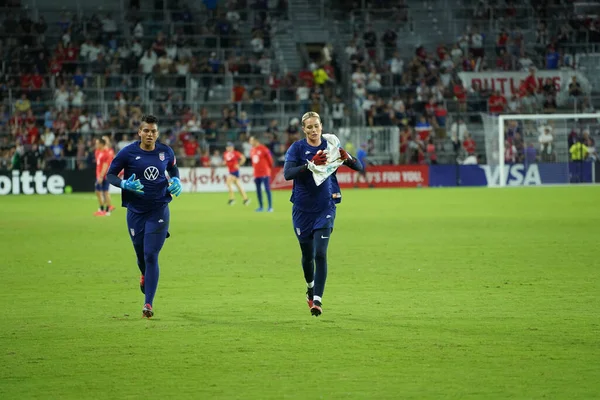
(151, 173)
(161, 156)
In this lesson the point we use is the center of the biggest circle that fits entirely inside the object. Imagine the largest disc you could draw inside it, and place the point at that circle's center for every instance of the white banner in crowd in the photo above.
(508, 82)
(209, 180)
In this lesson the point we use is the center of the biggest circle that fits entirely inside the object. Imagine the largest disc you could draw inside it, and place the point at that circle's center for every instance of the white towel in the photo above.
(321, 172)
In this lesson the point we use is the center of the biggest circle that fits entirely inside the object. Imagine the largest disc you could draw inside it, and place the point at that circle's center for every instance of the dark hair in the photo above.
(102, 141)
(149, 119)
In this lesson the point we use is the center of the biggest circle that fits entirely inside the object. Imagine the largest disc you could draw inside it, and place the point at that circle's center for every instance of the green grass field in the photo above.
(432, 293)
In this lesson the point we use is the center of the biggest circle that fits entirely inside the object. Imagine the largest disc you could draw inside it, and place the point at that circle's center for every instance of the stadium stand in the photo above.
(218, 71)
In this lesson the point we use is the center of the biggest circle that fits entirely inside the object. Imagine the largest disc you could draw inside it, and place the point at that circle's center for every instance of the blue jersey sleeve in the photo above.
(116, 166)
(291, 155)
(172, 168)
(172, 159)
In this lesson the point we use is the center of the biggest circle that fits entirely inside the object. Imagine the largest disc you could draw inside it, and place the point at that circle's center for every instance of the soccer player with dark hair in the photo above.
(146, 199)
(233, 159)
(262, 162)
(101, 185)
(314, 207)
(108, 148)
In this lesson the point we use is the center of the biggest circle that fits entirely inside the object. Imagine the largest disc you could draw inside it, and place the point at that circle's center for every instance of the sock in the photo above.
(258, 182)
(308, 261)
(268, 191)
(310, 284)
(139, 252)
(317, 300)
(153, 243)
(321, 241)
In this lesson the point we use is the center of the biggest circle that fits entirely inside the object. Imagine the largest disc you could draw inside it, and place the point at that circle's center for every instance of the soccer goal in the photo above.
(540, 149)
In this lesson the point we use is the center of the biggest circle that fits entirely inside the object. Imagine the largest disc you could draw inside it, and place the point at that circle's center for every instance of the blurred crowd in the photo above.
(54, 75)
(412, 91)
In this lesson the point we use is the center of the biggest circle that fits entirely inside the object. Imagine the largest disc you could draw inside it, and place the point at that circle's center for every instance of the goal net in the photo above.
(540, 149)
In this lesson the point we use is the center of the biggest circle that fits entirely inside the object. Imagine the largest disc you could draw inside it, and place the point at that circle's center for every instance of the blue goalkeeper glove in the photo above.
(132, 184)
(175, 186)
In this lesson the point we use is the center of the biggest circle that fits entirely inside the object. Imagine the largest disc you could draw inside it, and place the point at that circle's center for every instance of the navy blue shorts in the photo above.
(103, 187)
(151, 222)
(262, 181)
(306, 223)
(235, 173)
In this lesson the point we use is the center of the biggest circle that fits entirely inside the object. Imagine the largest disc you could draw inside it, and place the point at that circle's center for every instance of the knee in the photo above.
(321, 254)
(151, 257)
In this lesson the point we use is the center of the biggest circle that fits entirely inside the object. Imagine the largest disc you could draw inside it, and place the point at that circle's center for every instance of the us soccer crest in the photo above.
(161, 156)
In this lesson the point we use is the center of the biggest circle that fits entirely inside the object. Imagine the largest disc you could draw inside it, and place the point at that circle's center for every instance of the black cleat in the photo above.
(316, 309)
(246, 202)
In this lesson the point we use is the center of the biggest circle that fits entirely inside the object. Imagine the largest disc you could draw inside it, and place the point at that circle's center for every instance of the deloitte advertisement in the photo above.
(46, 182)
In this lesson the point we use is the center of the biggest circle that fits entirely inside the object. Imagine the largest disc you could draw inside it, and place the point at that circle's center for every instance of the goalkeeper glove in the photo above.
(132, 184)
(320, 158)
(175, 186)
(344, 156)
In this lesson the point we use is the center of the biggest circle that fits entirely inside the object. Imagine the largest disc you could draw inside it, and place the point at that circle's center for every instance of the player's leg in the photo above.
(258, 183)
(238, 184)
(229, 183)
(320, 244)
(108, 207)
(156, 228)
(303, 223)
(308, 266)
(100, 197)
(322, 229)
(268, 192)
(135, 225)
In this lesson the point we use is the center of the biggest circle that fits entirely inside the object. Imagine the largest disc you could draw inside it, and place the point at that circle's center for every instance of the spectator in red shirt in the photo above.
(501, 42)
(191, 149)
(25, 79)
(33, 133)
(238, 92)
(37, 81)
(441, 114)
(205, 159)
(461, 95)
(531, 82)
(469, 144)
(496, 103)
(71, 54)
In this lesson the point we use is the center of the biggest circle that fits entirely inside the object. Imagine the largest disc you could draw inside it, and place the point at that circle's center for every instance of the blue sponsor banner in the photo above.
(515, 174)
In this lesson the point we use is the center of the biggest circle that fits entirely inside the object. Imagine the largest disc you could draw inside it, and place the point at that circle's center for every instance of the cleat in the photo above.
(111, 208)
(316, 309)
(147, 311)
(107, 213)
(100, 214)
(231, 202)
(270, 209)
(259, 209)
(309, 296)
(142, 282)
(246, 202)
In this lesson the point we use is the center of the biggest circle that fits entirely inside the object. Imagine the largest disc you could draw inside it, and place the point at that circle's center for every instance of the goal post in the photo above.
(539, 151)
